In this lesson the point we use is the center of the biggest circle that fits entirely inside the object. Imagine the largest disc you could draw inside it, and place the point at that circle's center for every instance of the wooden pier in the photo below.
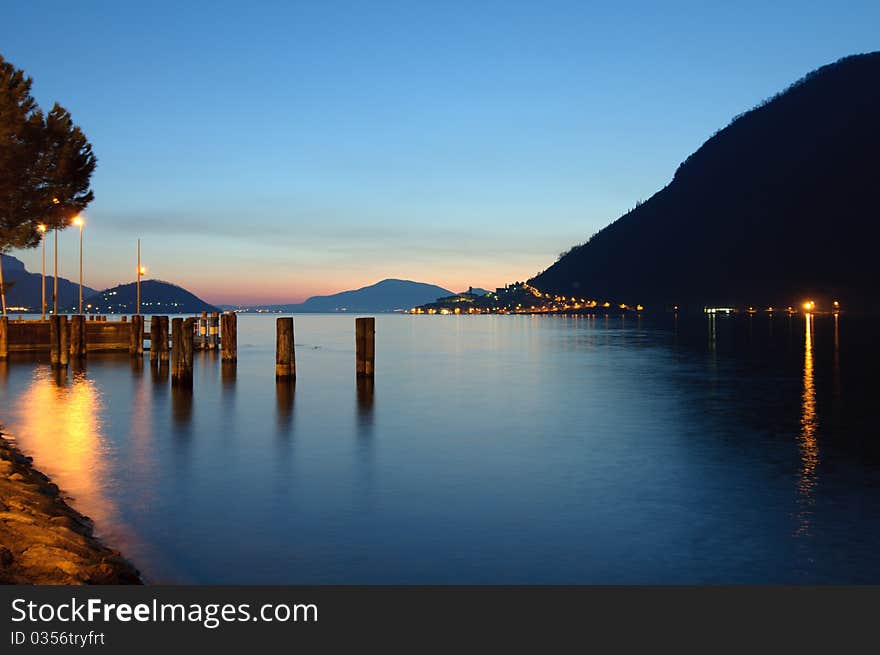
(65, 337)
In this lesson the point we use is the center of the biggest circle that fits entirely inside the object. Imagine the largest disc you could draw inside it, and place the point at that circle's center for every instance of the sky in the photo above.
(269, 151)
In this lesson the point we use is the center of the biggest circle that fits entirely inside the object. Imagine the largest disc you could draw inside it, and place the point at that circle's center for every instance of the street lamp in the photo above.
(42, 228)
(55, 201)
(79, 222)
(141, 270)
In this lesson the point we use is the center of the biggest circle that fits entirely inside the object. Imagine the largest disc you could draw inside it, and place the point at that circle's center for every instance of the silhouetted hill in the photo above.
(157, 297)
(385, 296)
(23, 287)
(780, 205)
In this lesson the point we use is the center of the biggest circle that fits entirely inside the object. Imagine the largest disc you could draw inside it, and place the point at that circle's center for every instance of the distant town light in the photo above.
(809, 305)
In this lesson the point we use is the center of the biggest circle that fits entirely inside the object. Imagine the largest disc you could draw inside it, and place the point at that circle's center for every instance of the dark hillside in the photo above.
(779, 205)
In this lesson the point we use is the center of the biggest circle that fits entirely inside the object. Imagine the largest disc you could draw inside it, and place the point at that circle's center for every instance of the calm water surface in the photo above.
(507, 449)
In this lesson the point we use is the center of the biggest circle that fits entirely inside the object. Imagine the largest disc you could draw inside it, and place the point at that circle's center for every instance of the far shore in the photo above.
(43, 540)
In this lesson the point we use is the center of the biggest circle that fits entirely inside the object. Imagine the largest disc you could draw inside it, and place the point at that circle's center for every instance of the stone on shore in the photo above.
(45, 541)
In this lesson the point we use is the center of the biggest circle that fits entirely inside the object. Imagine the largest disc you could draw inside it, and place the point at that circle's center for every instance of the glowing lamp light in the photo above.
(42, 228)
(809, 305)
(142, 270)
(78, 221)
(836, 304)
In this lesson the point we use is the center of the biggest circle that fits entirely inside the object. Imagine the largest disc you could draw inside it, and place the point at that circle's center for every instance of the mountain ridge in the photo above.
(387, 295)
(23, 287)
(157, 297)
(775, 207)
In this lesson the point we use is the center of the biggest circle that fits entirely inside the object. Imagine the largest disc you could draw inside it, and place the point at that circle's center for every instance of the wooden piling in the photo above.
(201, 341)
(285, 357)
(176, 346)
(155, 327)
(187, 360)
(54, 340)
(77, 337)
(136, 340)
(214, 330)
(229, 336)
(162, 343)
(159, 339)
(4, 337)
(177, 338)
(63, 340)
(365, 346)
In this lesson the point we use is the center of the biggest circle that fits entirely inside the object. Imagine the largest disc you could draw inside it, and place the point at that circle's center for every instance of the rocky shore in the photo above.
(42, 539)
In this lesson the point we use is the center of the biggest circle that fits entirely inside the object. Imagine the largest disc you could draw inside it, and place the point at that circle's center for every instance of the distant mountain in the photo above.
(385, 296)
(778, 206)
(157, 297)
(23, 287)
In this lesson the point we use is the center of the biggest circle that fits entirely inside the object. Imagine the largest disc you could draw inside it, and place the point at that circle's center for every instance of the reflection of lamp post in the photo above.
(42, 228)
(79, 222)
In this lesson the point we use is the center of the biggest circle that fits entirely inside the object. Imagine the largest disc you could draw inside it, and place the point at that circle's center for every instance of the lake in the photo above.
(490, 449)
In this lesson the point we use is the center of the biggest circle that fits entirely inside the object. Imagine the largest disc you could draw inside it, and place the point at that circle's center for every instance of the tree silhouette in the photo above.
(46, 164)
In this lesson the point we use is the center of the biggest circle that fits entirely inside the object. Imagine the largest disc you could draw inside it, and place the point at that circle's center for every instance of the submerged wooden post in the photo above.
(285, 357)
(4, 337)
(365, 346)
(201, 340)
(176, 326)
(54, 340)
(213, 330)
(159, 339)
(187, 337)
(176, 346)
(63, 340)
(229, 336)
(77, 336)
(155, 326)
(136, 339)
(181, 350)
(163, 338)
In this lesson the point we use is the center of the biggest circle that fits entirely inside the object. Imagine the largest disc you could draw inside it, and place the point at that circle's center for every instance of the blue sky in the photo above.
(268, 151)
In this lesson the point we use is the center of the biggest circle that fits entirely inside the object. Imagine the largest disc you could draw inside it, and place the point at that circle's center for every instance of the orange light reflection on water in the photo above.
(58, 423)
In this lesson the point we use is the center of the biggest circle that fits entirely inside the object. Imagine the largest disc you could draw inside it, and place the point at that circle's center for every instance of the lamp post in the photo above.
(42, 228)
(139, 278)
(55, 201)
(79, 222)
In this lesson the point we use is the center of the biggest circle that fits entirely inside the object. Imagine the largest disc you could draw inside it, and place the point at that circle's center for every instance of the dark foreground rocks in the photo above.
(45, 541)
